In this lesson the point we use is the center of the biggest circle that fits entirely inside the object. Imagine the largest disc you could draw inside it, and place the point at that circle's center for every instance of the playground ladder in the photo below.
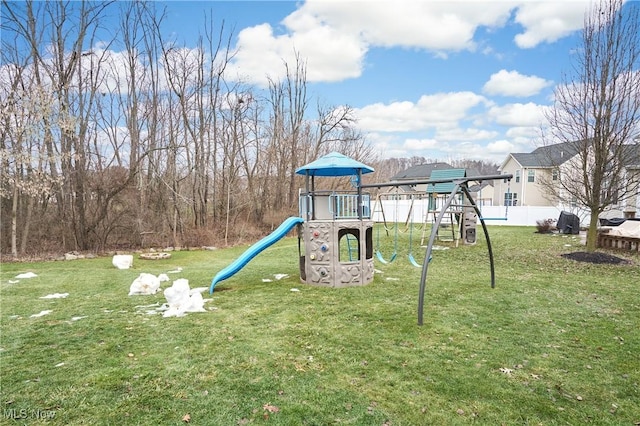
(447, 229)
(352, 247)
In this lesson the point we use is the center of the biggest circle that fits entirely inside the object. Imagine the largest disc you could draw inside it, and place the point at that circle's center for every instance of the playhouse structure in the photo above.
(336, 237)
(335, 228)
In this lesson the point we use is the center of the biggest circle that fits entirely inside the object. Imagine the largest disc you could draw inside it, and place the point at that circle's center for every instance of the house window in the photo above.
(517, 176)
(510, 199)
(555, 174)
(609, 192)
(531, 176)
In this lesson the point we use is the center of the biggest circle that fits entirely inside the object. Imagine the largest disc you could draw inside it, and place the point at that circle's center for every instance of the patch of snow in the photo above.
(147, 306)
(26, 275)
(175, 271)
(14, 281)
(280, 276)
(267, 280)
(294, 290)
(163, 278)
(122, 261)
(181, 300)
(55, 296)
(78, 318)
(145, 284)
(41, 314)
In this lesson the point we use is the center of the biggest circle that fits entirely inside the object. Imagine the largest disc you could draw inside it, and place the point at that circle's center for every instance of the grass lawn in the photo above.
(556, 342)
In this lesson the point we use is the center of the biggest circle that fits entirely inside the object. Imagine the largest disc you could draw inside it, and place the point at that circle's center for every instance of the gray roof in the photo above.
(546, 156)
(421, 171)
(555, 155)
(480, 186)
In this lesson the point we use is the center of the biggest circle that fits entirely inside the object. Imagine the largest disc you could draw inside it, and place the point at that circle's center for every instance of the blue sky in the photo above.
(457, 79)
(439, 79)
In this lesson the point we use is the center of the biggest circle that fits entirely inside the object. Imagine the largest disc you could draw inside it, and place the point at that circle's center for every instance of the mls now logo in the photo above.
(23, 413)
(16, 414)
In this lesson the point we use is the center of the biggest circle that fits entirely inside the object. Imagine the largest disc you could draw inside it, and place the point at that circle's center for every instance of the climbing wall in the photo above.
(328, 264)
(319, 252)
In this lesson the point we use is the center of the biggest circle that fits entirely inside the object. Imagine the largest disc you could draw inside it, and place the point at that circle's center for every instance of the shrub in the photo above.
(545, 226)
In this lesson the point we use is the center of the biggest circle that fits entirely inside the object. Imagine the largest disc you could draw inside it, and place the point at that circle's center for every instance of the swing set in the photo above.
(409, 227)
(459, 185)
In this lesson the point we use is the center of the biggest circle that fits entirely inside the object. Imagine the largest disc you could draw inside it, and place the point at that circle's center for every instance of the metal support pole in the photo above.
(427, 256)
(458, 183)
(306, 197)
(359, 201)
(486, 233)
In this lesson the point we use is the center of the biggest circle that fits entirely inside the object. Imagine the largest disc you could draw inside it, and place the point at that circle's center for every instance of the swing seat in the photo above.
(382, 259)
(415, 263)
(493, 218)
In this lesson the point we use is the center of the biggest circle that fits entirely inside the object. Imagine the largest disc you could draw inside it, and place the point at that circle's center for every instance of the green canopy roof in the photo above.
(444, 188)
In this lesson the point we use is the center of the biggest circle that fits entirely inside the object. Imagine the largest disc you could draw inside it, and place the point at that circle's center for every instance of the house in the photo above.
(483, 191)
(547, 164)
(418, 172)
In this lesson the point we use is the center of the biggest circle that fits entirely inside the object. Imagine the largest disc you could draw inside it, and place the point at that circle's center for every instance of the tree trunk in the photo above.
(27, 225)
(14, 222)
(592, 233)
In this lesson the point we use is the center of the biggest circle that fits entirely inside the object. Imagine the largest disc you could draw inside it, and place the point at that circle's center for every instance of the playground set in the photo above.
(335, 228)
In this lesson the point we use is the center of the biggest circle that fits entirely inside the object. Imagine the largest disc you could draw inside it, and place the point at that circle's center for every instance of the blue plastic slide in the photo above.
(255, 249)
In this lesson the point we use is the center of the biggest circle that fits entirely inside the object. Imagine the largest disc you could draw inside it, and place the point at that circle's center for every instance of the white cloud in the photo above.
(548, 21)
(432, 25)
(333, 37)
(430, 112)
(523, 134)
(512, 83)
(328, 55)
(412, 144)
(466, 134)
(500, 147)
(518, 115)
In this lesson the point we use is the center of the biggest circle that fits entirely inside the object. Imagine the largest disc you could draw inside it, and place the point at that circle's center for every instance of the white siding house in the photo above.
(548, 163)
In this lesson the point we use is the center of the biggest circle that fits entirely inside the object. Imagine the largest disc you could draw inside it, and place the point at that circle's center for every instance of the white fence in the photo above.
(403, 211)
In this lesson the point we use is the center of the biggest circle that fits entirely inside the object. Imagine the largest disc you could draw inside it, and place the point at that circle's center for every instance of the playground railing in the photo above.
(332, 205)
(345, 206)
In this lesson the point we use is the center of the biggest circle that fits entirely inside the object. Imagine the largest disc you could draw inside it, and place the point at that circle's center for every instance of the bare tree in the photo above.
(103, 139)
(289, 103)
(56, 35)
(596, 113)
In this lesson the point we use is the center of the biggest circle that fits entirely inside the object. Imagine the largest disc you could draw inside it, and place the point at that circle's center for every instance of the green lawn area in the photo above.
(556, 342)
